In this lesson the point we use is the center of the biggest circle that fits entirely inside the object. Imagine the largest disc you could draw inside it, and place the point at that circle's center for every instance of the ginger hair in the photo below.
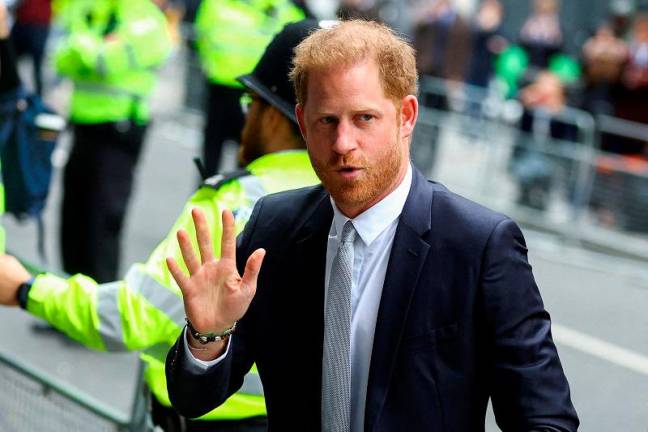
(349, 43)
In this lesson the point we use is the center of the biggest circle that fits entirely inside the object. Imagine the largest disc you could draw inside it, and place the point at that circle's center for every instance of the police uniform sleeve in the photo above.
(138, 312)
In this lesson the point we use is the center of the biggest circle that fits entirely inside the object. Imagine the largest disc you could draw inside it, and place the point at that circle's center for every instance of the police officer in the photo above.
(111, 51)
(231, 36)
(145, 311)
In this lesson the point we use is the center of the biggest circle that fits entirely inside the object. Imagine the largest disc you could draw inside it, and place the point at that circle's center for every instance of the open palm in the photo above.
(215, 295)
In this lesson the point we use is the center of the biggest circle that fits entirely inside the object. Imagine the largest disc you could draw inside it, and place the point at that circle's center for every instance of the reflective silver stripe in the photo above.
(132, 57)
(161, 297)
(252, 385)
(102, 67)
(104, 89)
(253, 188)
(110, 328)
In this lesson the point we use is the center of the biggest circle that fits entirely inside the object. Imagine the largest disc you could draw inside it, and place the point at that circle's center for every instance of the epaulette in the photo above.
(218, 180)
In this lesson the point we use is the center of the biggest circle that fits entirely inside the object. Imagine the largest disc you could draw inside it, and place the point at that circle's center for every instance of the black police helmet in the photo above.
(270, 77)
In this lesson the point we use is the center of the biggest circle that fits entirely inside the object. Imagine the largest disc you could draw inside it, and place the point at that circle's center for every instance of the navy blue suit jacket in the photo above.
(460, 320)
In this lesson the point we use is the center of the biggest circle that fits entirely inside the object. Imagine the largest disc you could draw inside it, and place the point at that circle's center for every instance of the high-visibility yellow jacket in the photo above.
(145, 310)
(111, 52)
(233, 34)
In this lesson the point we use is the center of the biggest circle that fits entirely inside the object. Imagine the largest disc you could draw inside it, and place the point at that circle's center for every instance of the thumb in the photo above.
(252, 269)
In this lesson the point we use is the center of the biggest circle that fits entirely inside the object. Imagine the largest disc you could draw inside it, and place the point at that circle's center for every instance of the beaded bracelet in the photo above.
(205, 338)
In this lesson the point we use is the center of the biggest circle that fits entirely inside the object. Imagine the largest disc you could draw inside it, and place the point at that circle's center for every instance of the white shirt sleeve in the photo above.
(197, 365)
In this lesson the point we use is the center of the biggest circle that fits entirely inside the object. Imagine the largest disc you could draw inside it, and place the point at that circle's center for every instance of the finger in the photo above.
(228, 242)
(181, 279)
(188, 254)
(203, 236)
(252, 269)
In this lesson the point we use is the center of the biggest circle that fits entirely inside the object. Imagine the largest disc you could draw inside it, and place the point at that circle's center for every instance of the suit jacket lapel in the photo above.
(408, 254)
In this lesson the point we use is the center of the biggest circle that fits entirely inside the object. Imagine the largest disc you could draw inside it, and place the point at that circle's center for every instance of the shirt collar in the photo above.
(373, 221)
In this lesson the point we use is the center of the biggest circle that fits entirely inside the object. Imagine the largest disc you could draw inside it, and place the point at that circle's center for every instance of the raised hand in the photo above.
(215, 295)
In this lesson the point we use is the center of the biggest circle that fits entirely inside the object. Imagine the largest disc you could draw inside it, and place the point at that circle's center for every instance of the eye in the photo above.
(366, 117)
(327, 120)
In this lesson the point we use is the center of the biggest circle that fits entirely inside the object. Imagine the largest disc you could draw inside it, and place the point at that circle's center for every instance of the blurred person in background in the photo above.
(9, 79)
(231, 36)
(442, 40)
(486, 41)
(29, 130)
(539, 48)
(542, 129)
(29, 35)
(145, 310)
(9, 82)
(620, 191)
(603, 57)
(635, 73)
(541, 35)
(110, 52)
(617, 82)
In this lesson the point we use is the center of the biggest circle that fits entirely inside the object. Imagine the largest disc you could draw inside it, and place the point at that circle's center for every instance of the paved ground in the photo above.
(597, 302)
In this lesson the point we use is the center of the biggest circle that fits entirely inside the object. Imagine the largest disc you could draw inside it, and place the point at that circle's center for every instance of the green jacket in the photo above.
(233, 34)
(145, 310)
(111, 51)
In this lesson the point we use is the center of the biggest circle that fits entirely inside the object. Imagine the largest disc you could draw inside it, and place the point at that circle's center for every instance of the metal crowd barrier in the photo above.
(545, 170)
(620, 189)
(31, 400)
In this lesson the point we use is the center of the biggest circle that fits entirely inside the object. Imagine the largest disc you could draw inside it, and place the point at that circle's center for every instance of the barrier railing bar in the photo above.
(48, 382)
(621, 127)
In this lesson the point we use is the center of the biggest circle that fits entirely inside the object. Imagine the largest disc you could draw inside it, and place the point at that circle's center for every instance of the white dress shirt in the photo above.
(376, 227)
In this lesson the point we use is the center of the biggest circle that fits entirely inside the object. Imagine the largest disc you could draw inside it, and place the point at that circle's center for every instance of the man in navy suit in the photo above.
(385, 302)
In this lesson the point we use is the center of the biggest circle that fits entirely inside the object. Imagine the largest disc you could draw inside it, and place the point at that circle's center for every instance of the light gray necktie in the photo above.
(336, 363)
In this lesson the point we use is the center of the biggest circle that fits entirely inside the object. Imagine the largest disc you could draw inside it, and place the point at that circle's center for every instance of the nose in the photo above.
(344, 140)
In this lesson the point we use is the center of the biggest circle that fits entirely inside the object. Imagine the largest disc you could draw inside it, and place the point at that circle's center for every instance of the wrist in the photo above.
(22, 293)
(205, 338)
(208, 352)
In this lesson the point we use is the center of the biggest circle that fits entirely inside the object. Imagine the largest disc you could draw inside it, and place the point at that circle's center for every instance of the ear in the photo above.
(299, 113)
(272, 116)
(409, 114)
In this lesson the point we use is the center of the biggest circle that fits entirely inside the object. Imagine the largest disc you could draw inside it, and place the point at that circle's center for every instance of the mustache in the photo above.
(337, 162)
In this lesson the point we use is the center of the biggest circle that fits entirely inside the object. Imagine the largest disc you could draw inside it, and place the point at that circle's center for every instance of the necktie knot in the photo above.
(348, 233)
